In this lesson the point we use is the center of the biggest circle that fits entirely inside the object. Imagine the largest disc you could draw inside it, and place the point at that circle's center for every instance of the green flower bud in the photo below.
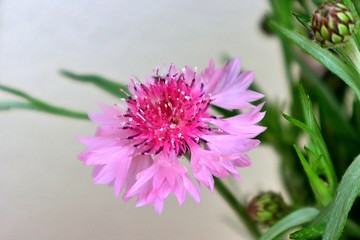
(332, 24)
(267, 208)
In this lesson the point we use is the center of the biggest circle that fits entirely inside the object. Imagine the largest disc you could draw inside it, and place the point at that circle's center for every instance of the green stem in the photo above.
(238, 208)
(37, 104)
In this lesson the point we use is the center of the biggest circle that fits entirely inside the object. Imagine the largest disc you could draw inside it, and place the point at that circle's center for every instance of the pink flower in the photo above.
(139, 145)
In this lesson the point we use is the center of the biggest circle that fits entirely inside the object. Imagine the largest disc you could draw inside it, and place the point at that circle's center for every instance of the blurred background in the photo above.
(45, 192)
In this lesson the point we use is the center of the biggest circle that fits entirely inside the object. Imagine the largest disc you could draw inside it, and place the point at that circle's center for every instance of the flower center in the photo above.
(167, 113)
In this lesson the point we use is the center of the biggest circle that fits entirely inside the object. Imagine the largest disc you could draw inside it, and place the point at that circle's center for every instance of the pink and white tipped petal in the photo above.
(229, 144)
(211, 77)
(156, 183)
(111, 117)
(228, 87)
(243, 124)
(205, 164)
(112, 165)
(138, 144)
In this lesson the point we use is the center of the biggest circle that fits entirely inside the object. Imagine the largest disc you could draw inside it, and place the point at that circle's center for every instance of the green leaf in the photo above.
(317, 144)
(301, 125)
(36, 104)
(310, 232)
(315, 136)
(321, 192)
(303, 19)
(327, 101)
(103, 83)
(357, 6)
(292, 220)
(8, 105)
(354, 7)
(348, 74)
(349, 189)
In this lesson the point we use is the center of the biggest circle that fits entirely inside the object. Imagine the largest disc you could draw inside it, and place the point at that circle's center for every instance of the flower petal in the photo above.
(205, 164)
(243, 123)
(164, 176)
(234, 143)
(110, 117)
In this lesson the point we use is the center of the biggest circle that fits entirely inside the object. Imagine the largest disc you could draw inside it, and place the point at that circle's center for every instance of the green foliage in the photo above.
(349, 189)
(36, 104)
(322, 193)
(320, 161)
(101, 82)
(311, 232)
(303, 19)
(319, 168)
(346, 72)
(354, 7)
(331, 221)
(334, 132)
(33, 103)
(292, 220)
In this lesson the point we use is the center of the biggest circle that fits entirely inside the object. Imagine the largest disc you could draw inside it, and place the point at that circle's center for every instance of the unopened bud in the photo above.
(332, 24)
(267, 208)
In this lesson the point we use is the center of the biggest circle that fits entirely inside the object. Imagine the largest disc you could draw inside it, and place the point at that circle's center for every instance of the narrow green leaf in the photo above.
(36, 104)
(303, 19)
(301, 125)
(327, 101)
(349, 189)
(310, 232)
(317, 144)
(349, 75)
(292, 220)
(8, 105)
(307, 109)
(354, 7)
(357, 6)
(103, 83)
(321, 192)
(317, 227)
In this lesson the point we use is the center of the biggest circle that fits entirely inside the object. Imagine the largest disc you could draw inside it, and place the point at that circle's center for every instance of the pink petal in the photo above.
(234, 143)
(206, 164)
(242, 123)
(115, 170)
(138, 163)
(235, 98)
(110, 117)
(164, 176)
(211, 77)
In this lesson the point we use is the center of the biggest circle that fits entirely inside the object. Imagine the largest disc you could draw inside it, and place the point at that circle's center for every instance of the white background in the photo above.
(45, 192)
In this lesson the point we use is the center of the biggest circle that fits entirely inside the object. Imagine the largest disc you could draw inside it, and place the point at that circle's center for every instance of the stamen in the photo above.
(167, 112)
(133, 136)
(125, 92)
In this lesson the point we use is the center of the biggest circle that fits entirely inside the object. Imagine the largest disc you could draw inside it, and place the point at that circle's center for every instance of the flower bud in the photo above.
(332, 24)
(267, 208)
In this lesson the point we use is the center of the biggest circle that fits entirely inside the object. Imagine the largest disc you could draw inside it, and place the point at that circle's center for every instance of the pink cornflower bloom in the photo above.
(140, 144)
